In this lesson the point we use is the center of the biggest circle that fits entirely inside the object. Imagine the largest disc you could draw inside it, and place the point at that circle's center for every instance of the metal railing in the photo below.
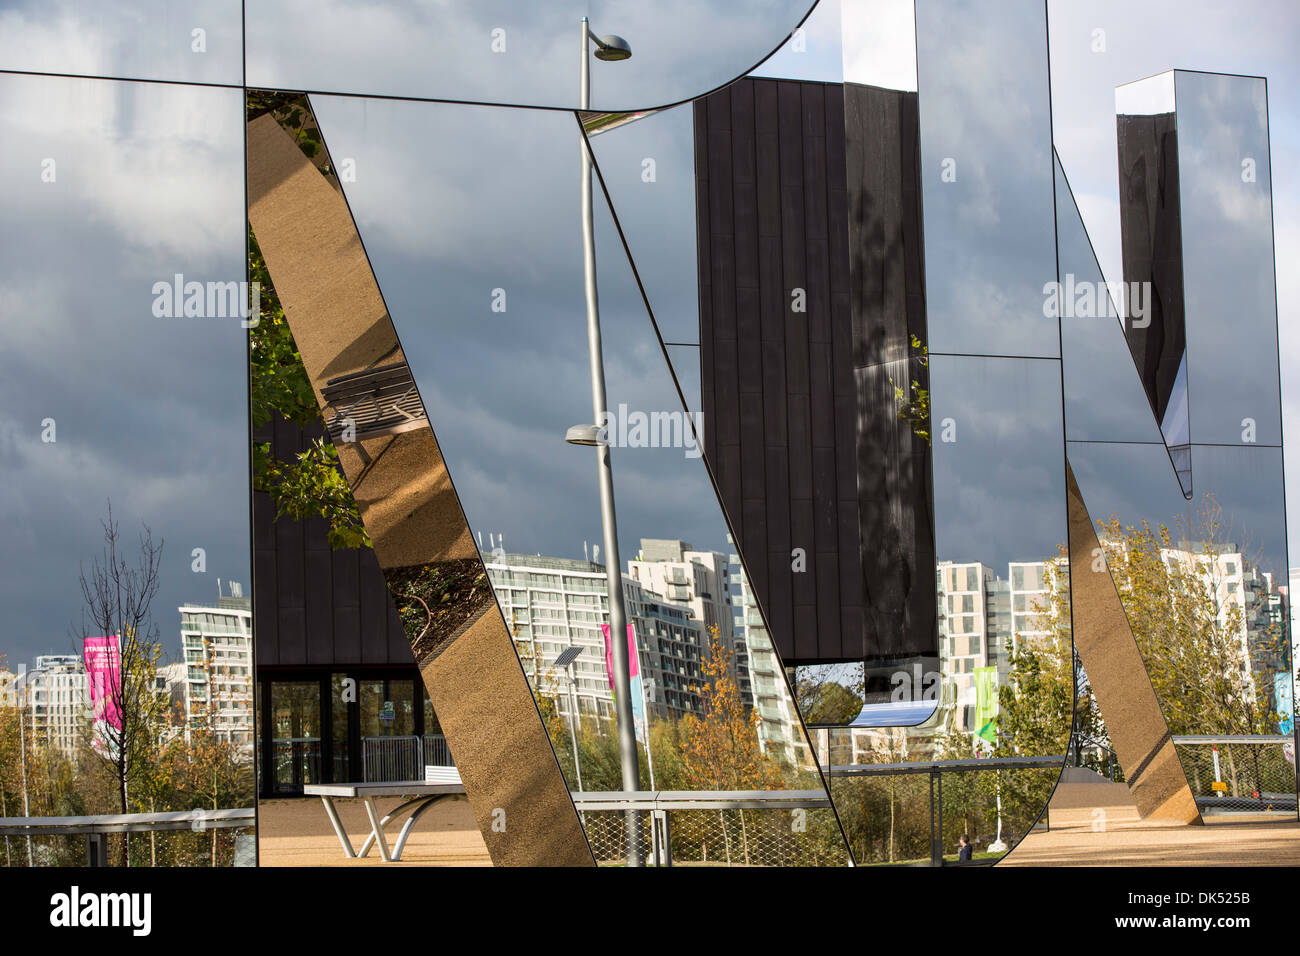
(935, 770)
(97, 828)
(436, 751)
(714, 828)
(1242, 773)
(385, 759)
(390, 759)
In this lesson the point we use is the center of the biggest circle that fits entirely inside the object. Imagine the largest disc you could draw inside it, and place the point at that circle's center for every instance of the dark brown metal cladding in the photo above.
(811, 189)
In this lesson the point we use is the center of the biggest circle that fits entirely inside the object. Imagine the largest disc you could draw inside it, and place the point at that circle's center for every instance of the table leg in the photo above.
(377, 830)
(333, 814)
(410, 823)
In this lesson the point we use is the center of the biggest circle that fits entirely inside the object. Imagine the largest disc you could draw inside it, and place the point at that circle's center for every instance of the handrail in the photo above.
(127, 822)
(666, 800)
(1225, 739)
(939, 766)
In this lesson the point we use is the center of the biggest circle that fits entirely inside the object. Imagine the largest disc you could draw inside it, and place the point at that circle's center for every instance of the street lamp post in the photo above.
(607, 48)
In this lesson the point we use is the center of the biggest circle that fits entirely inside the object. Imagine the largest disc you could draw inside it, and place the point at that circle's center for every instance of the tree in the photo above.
(1191, 623)
(720, 747)
(310, 484)
(118, 596)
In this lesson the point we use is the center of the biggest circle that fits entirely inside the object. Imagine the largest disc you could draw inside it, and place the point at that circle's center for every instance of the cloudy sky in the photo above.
(141, 181)
(455, 202)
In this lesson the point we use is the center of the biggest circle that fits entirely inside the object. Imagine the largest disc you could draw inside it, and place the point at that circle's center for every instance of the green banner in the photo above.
(986, 703)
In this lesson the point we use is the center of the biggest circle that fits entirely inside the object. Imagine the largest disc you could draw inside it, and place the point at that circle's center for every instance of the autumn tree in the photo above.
(118, 595)
(720, 745)
(1187, 603)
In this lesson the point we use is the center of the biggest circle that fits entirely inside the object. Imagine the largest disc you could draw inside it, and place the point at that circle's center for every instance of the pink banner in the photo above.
(104, 671)
(633, 657)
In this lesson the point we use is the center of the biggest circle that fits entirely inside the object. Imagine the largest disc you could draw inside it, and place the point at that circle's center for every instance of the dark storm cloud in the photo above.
(455, 202)
(149, 412)
(999, 480)
(445, 50)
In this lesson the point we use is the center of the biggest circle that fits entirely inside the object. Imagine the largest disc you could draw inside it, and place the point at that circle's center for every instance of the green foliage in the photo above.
(914, 407)
(311, 484)
(290, 111)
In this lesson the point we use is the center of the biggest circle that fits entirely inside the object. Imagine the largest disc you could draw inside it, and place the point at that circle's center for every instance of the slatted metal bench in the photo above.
(379, 401)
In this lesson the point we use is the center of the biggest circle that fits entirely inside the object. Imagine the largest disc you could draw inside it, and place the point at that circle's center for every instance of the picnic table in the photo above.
(420, 794)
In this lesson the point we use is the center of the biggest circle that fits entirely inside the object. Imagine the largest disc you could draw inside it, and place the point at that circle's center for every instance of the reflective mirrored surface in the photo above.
(1104, 400)
(124, 416)
(197, 41)
(510, 53)
(1227, 227)
(986, 162)
(1218, 560)
(121, 187)
(489, 307)
(433, 582)
(1152, 295)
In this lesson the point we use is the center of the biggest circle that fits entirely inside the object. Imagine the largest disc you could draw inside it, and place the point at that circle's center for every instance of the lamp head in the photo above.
(612, 48)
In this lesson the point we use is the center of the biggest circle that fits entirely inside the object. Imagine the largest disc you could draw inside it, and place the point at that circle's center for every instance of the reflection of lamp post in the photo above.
(565, 661)
(610, 48)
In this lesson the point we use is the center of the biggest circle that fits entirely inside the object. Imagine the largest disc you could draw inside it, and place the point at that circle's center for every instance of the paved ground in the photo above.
(297, 833)
(1096, 824)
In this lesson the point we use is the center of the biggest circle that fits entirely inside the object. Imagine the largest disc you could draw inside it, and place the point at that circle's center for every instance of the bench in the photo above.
(375, 402)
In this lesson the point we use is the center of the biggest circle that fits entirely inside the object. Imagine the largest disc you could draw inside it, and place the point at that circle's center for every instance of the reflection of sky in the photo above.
(1149, 38)
(1227, 257)
(999, 488)
(444, 50)
(454, 202)
(151, 413)
(988, 240)
(143, 39)
(1244, 483)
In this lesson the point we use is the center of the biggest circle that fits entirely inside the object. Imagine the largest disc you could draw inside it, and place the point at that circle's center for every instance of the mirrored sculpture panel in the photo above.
(502, 52)
(195, 41)
(489, 305)
(986, 174)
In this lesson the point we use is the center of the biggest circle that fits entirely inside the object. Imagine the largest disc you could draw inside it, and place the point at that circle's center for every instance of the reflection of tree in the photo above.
(310, 484)
(1187, 604)
(913, 404)
(1186, 597)
(1037, 703)
(118, 597)
(823, 700)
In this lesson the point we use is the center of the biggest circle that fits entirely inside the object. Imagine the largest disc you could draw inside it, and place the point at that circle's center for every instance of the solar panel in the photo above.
(567, 656)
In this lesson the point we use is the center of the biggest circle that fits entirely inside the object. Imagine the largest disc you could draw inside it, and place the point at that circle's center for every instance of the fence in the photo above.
(880, 805)
(714, 828)
(391, 759)
(22, 833)
(436, 751)
(1253, 774)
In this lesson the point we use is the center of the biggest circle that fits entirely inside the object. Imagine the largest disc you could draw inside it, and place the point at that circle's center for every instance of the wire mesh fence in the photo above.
(1240, 774)
(752, 837)
(189, 848)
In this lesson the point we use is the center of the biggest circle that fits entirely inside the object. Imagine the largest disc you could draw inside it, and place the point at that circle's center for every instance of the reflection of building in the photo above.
(699, 580)
(552, 604)
(56, 693)
(982, 620)
(1238, 586)
(965, 594)
(217, 650)
(333, 660)
(779, 729)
